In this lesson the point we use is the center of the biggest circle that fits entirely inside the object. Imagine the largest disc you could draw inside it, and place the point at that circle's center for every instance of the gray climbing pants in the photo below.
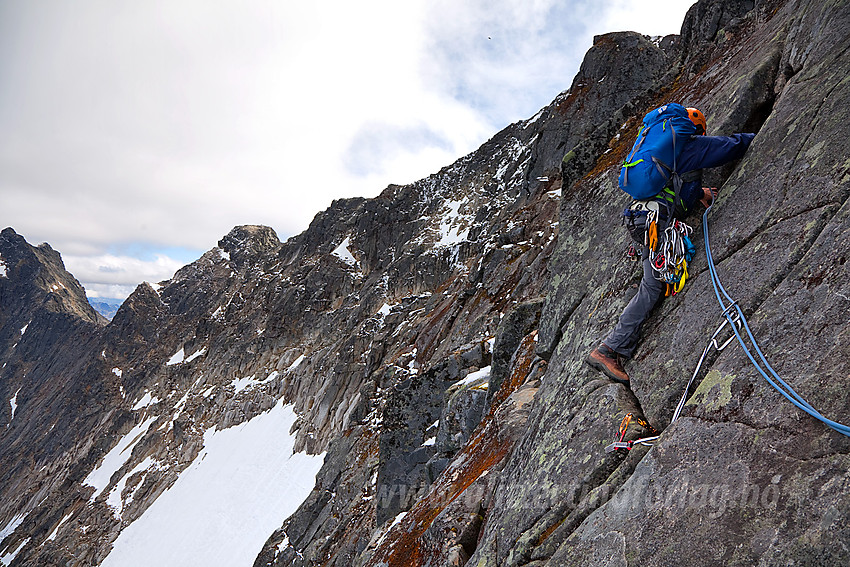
(623, 339)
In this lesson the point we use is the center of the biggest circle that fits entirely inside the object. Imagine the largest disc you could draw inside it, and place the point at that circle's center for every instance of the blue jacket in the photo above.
(706, 151)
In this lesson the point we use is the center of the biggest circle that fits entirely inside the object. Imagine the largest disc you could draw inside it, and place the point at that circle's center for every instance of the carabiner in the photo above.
(682, 280)
(735, 319)
(652, 235)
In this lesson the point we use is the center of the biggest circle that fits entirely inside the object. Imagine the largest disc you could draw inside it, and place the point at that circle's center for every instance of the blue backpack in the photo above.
(651, 165)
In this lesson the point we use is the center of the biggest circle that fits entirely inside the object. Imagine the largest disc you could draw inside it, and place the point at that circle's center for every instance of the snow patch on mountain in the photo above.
(479, 378)
(295, 364)
(115, 499)
(240, 384)
(176, 358)
(14, 403)
(115, 459)
(241, 487)
(55, 531)
(343, 252)
(195, 355)
(147, 400)
(454, 227)
(7, 558)
(180, 357)
(13, 524)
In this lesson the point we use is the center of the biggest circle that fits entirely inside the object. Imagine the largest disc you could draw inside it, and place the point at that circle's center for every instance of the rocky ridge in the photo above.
(431, 342)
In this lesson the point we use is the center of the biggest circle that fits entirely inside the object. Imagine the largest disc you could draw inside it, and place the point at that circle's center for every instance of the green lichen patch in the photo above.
(714, 392)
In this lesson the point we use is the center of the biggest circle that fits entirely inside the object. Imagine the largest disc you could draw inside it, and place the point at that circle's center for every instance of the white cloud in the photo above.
(649, 18)
(168, 123)
(108, 275)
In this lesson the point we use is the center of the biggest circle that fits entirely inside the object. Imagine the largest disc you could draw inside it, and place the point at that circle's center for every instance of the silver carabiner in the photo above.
(735, 319)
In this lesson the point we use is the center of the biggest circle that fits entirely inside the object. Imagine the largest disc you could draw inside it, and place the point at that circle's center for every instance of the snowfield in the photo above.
(221, 510)
(115, 459)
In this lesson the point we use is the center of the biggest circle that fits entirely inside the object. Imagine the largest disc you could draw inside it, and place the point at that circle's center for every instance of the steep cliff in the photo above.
(744, 477)
(422, 352)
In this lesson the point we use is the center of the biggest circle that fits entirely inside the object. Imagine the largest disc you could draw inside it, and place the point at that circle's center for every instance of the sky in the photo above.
(134, 135)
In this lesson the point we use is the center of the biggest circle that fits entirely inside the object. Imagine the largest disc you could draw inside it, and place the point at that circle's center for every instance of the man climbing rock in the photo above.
(696, 152)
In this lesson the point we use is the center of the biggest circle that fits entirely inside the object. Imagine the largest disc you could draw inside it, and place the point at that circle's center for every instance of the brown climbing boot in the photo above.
(608, 362)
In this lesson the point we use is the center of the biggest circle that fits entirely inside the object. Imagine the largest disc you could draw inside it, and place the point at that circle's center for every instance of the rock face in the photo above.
(725, 484)
(431, 342)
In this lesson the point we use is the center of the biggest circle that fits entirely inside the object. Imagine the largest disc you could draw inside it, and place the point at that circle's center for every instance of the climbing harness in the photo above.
(733, 316)
(670, 251)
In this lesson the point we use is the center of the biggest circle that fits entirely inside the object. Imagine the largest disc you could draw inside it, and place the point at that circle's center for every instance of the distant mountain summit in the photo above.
(106, 306)
(33, 278)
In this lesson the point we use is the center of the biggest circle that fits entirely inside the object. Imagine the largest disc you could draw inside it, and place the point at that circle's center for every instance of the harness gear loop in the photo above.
(669, 259)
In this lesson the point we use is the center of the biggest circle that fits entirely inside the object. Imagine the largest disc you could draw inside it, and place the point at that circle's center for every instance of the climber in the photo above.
(698, 152)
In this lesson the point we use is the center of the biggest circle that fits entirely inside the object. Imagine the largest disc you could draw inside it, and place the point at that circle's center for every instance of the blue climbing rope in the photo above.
(737, 319)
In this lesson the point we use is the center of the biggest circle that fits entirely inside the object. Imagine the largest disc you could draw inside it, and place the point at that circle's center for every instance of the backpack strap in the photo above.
(677, 180)
(672, 193)
(677, 193)
(641, 137)
(673, 178)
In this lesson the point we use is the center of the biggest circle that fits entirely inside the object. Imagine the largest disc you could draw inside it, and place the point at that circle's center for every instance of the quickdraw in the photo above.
(670, 258)
(619, 438)
(652, 231)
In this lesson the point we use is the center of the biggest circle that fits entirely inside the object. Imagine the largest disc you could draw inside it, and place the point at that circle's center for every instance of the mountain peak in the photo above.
(36, 277)
(249, 242)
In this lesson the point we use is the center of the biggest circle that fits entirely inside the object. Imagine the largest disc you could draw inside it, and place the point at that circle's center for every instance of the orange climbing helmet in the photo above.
(698, 119)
